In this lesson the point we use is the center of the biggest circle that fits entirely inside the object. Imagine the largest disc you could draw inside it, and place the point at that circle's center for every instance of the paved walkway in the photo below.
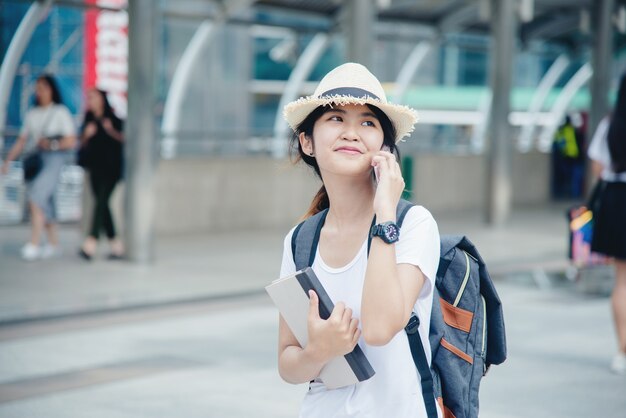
(219, 265)
(196, 360)
(219, 360)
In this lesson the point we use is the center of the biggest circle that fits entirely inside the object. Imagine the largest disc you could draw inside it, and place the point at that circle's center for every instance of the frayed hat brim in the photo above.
(403, 117)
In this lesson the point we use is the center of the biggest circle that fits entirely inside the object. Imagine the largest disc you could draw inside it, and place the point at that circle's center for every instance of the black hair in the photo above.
(107, 112)
(51, 82)
(320, 201)
(617, 130)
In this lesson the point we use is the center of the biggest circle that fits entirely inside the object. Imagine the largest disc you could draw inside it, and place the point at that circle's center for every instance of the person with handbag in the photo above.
(47, 139)
(608, 154)
(101, 155)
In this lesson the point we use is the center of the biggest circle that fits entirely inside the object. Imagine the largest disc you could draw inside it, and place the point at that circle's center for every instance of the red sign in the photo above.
(106, 52)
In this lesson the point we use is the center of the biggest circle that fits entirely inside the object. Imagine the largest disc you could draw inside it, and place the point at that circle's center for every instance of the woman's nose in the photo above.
(350, 133)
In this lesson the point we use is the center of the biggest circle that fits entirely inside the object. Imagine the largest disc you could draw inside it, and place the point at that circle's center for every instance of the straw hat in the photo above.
(351, 83)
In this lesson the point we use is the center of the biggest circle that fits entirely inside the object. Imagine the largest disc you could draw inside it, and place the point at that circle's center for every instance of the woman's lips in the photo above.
(348, 150)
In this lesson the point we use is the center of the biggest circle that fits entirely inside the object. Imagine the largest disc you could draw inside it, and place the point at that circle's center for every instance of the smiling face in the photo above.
(345, 138)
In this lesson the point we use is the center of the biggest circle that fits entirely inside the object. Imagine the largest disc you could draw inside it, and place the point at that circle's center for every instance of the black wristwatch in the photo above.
(387, 231)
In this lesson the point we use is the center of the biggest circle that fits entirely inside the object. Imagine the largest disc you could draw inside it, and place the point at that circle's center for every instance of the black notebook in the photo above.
(291, 296)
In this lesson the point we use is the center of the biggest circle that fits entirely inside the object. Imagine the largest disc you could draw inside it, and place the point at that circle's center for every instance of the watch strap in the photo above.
(380, 230)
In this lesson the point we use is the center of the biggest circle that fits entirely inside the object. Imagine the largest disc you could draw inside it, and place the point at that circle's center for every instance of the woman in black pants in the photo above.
(101, 154)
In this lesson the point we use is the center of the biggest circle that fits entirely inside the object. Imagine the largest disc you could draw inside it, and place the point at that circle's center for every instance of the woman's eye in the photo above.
(368, 123)
(335, 118)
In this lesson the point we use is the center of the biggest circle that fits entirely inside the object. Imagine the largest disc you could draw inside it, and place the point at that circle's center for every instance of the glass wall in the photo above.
(232, 90)
(56, 47)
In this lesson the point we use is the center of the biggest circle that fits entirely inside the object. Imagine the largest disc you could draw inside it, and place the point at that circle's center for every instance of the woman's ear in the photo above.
(305, 143)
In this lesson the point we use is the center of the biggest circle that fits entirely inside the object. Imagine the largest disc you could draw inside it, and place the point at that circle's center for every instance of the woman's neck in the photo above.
(351, 200)
(98, 113)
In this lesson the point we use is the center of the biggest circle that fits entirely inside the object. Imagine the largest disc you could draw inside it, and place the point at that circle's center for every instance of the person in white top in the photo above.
(49, 131)
(347, 132)
(608, 153)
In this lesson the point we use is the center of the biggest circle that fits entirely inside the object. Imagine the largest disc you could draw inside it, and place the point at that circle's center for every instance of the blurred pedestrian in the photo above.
(101, 154)
(566, 175)
(347, 133)
(608, 152)
(48, 139)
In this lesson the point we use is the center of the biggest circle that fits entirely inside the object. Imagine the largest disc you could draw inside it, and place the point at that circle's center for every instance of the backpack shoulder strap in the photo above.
(415, 342)
(305, 238)
(421, 363)
(402, 210)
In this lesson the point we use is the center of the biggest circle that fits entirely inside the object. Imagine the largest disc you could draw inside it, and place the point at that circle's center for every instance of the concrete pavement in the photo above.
(216, 357)
(210, 266)
(218, 360)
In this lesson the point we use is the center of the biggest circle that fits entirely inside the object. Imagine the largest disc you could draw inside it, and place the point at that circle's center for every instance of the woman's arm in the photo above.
(390, 289)
(596, 169)
(389, 294)
(15, 150)
(336, 336)
(65, 143)
(108, 126)
(295, 364)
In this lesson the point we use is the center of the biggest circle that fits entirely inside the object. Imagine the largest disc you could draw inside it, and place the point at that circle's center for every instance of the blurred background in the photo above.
(182, 327)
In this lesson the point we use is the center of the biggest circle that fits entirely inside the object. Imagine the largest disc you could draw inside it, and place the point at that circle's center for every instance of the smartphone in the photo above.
(386, 149)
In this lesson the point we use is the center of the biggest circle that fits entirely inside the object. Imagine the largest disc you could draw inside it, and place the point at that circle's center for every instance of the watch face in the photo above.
(391, 232)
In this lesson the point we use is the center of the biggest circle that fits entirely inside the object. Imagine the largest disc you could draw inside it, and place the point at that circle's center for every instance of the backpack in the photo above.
(467, 331)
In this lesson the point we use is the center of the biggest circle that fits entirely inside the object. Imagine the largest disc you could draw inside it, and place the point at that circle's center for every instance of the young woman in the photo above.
(608, 152)
(345, 131)
(101, 152)
(49, 130)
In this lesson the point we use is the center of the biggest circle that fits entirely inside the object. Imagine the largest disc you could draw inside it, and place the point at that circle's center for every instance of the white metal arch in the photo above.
(20, 40)
(307, 60)
(454, 22)
(579, 79)
(409, 68)
(548, 81)
(180, 81)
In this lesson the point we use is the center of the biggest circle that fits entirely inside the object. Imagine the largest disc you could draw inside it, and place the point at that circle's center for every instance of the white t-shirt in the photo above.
(51, 120)
(599, 151)
(395, 389)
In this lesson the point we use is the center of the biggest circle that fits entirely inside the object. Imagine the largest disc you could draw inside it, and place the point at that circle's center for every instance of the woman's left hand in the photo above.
(390, 186)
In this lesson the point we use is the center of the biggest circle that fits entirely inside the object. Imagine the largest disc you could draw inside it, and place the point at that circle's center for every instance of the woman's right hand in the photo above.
(332, 337)
(90, 130)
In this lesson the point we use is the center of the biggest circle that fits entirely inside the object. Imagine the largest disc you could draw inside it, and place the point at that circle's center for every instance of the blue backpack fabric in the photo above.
(467, 332)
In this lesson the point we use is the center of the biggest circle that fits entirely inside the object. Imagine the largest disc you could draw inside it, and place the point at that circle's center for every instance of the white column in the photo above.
(141, 148)
(499, 155)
